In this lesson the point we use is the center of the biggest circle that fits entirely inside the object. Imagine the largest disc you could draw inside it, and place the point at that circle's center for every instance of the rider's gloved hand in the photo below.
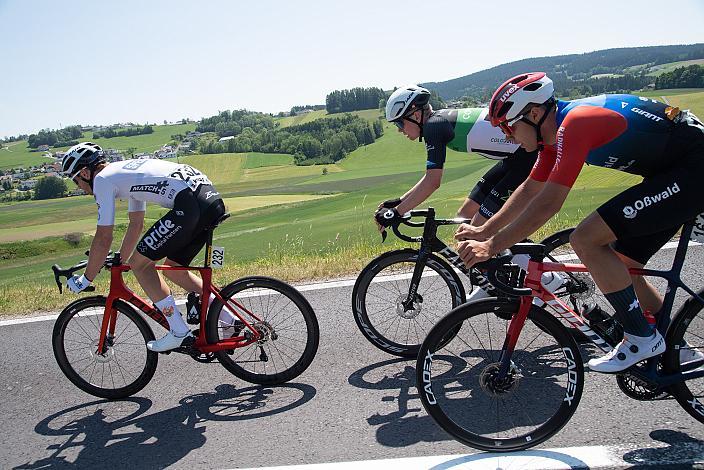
(387, 217)
(389, 203)
(78, 283)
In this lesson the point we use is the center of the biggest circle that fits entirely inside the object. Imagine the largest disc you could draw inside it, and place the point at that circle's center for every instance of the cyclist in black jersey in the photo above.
(463, 130)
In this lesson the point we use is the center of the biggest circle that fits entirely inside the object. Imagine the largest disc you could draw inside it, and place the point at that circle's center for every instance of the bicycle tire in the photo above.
(687, 318)
(470, 411)
(267, 372)
(90, 338)
(375, 327)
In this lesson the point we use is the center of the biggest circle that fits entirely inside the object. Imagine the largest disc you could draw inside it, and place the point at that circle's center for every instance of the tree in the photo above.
(50, 187)
(131, 151)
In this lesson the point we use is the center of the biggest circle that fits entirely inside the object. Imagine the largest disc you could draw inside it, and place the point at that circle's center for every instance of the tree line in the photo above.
(682, 77)
(324, 140)
(575, 71)
(58, 138)
(233, 123)
(341, 101)
(111, 132)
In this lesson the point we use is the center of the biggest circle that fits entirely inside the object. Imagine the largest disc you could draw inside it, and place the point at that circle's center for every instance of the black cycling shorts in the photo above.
(502, 179)
(645, 216)
(181, 233)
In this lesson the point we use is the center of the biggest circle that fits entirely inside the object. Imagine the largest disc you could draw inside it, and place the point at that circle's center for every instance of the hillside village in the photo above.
(18, 183)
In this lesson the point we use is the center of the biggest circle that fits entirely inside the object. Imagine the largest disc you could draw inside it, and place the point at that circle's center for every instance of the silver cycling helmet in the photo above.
(405, 100)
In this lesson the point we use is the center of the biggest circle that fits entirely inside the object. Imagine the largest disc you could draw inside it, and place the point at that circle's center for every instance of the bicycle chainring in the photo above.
(639, 389)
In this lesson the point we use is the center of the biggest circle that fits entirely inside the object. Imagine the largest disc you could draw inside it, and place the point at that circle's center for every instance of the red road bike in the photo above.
(100, 342)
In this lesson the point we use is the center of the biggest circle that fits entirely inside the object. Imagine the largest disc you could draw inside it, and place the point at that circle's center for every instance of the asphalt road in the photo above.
(354, 403)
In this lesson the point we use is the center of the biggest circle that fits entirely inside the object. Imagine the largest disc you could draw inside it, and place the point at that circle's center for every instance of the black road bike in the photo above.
(401, 294)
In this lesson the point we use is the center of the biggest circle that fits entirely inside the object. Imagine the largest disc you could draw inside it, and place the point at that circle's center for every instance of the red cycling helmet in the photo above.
(512, 97)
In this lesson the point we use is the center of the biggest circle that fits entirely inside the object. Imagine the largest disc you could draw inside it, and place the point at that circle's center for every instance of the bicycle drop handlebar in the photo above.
(113, 259)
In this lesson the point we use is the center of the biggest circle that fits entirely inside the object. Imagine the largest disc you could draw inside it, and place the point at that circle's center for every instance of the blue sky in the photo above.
(100, 62)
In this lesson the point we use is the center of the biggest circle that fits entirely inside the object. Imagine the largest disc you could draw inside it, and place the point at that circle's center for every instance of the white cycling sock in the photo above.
(226, 316)
(168, 307)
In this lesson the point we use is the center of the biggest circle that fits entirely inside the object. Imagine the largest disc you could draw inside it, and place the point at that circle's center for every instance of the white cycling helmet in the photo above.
(85, 154)
(405, 100)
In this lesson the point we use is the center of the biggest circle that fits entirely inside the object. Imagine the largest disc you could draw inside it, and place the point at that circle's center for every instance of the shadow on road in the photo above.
(120, 434)
(682, 452)
(408, 424)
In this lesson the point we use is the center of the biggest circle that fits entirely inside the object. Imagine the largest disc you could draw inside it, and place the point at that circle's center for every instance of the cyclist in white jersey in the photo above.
(178, 236)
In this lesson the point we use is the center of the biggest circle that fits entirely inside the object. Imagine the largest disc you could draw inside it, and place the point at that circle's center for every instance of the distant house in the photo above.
(192, 134)
(304, 111)
(166, 151)
(43, 148)
(113, 155)
(143, 155)
(27, 185)
(224, 139)
(59, 155)
(183, 146)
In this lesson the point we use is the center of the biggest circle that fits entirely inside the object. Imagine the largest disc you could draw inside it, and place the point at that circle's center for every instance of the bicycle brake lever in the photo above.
(55, 268)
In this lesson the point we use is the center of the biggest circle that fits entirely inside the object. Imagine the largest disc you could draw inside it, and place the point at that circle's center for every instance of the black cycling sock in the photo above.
(628, 312)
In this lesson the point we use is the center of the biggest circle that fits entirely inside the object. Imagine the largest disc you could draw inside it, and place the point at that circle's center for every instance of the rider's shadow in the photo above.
(120, 434)
(407, 424)
(683, 452)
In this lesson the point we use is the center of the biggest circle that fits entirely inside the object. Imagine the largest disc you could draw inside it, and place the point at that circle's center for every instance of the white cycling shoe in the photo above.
(169, 341)
(631, 350)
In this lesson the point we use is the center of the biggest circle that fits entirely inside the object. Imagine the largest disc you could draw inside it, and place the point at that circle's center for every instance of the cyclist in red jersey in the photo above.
(624, 132)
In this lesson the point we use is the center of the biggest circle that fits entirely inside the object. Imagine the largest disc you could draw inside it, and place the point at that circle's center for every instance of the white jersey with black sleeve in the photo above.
(142, 181)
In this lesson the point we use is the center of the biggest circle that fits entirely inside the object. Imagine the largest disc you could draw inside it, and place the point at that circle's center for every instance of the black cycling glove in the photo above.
(388, 217)
(389, 203)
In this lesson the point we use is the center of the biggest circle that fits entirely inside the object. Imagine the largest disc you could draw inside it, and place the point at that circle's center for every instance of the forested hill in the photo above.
(629, 68)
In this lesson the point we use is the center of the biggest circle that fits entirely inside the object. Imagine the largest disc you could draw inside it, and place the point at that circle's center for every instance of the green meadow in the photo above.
(293, 222)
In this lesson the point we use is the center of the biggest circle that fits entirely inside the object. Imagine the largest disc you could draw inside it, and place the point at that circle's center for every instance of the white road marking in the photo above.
(321, 285)
(557, 458)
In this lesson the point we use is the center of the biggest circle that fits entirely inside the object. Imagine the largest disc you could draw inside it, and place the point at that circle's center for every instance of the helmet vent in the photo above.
(504, 108)
(532, 86)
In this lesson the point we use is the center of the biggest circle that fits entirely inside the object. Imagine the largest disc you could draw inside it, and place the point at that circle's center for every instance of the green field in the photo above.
(290, 221)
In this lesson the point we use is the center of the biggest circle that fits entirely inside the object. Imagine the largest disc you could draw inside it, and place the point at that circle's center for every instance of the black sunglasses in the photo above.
(399, 123)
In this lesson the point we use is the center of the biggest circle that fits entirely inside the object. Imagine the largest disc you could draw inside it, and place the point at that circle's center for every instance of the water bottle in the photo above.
(605, 325)
(193, 308)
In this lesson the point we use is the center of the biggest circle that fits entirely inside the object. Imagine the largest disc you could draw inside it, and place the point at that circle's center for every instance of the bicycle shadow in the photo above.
(120, 434)
(409, 424)
(683, 452)
(404, 426)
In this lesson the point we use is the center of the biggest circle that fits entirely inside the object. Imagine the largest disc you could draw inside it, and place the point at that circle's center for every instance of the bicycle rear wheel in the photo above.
(541, 391)
(383, 286)
(289, 328)
(685, 352)
(125, 367)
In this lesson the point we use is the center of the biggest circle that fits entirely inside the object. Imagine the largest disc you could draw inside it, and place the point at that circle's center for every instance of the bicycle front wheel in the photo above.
(381, 290)
(125, 366)
(685, 353)
(289, 328)
(461, 388)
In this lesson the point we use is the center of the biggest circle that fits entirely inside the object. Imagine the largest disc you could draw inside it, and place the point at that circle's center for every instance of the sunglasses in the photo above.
(399, 123)
(507, 126)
